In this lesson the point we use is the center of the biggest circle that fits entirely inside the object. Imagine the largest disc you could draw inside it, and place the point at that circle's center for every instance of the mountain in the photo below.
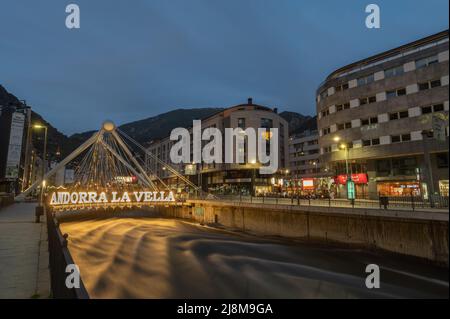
(143, 131)
(299, 123)
(56, 141)
(156, 127)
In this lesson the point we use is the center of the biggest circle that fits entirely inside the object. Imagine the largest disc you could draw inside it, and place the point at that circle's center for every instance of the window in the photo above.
(393, 116)
(403, 114)
(373, 142)
(427, 109)
(326, 131)
(367, 100)
(324, 94)
(389, 73)
(395, 93)
(398, 115)
(400, 138)
(266, 123)
(422, 63)
(325, 113)
(369, 121)
(442, 160)
(406, 137)
(366, 80)
(432, 108)
(383, 167)
(241, 123)
(428, 85)
(327, 149)
(342, 87)
(341, 107)
(435, 84)
(438, 107)
(404, 166)
(344, 126)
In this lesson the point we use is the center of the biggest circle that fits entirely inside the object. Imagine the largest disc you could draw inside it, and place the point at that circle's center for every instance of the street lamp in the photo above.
(350, 184)
(344, 146)
(44, 156)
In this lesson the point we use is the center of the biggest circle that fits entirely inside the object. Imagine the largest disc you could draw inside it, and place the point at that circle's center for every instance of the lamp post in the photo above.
(349, 183)
(44, 158)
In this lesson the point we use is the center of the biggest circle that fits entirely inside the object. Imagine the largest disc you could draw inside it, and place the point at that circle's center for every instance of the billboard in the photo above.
(15, 145)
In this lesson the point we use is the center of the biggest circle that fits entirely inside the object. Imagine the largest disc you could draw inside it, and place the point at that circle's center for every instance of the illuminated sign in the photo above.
(308, 183)
(75, 198)
(351, 190)
(126, 179)
(356, 178)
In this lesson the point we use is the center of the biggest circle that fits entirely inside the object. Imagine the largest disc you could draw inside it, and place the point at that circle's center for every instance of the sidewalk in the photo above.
(24, 271)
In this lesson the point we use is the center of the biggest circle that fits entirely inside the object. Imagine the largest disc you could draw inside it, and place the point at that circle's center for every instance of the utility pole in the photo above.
(427, 162)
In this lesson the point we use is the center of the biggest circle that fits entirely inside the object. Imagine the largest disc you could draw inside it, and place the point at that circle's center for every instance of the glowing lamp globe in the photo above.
(108, 126)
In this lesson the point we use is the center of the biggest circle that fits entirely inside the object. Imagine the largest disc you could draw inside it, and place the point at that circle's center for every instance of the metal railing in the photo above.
(410, 203)
(59, 259)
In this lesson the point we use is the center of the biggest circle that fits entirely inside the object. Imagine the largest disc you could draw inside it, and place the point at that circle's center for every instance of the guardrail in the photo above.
(59, 259)
(382, 202)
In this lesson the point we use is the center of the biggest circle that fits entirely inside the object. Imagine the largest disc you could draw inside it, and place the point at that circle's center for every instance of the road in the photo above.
(165, 258)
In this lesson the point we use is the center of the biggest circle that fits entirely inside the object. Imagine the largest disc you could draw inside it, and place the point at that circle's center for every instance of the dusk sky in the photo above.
(135, 59)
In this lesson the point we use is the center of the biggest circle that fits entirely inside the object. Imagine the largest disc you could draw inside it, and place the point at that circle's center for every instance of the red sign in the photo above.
(356, 178)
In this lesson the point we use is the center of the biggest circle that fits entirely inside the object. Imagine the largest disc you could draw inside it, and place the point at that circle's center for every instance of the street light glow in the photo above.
(336, 139)
(39, 126)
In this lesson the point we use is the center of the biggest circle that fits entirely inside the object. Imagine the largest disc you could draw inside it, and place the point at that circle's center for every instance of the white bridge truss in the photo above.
(104, 157)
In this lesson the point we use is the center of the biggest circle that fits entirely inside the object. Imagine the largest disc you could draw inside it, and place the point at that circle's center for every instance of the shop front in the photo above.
(361, 185)
(443, 188)
(397, 189)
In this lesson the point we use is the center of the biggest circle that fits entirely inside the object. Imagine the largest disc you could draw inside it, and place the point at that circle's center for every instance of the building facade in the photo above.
(377, 115)
(227, 178)
(308, 175)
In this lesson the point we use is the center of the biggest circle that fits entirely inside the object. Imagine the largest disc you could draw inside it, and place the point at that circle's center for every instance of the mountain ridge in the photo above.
(144, 130)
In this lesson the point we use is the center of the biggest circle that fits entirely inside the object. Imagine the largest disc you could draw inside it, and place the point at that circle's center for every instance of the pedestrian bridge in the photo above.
(110, 174)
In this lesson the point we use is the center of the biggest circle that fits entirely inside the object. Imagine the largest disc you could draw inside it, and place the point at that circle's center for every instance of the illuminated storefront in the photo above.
(399, 188)
(443, 187)
(360, 181)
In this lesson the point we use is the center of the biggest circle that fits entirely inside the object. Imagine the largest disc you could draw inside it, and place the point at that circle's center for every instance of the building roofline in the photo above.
(385, 54)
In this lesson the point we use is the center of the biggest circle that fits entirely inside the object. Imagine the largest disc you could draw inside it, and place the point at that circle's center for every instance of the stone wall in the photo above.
(425, 237)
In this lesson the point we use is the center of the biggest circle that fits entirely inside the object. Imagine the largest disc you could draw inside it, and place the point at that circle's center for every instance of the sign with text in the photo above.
(92, 197)
(356, 178)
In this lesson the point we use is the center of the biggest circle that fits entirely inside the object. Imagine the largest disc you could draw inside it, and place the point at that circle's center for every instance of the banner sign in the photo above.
(356, 178)
(15, 145)
(76, 198)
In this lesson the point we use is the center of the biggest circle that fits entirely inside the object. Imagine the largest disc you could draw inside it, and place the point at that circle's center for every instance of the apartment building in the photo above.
(306, 169)
(226, 178)
(379, 115)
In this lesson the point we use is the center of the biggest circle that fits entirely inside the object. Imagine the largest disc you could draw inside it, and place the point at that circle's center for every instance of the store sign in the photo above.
(15, 145)
(308, 183)
(75, 198)
(356, 178)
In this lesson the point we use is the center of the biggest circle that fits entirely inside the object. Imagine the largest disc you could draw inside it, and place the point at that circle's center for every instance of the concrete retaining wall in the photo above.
(420, 237)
